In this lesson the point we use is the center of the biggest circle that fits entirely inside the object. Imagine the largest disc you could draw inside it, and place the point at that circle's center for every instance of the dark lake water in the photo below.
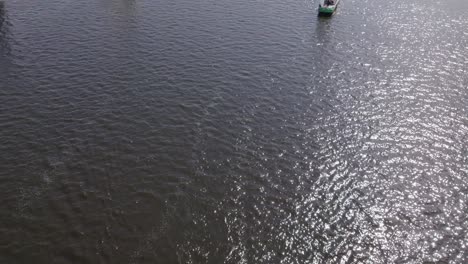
(247, 131)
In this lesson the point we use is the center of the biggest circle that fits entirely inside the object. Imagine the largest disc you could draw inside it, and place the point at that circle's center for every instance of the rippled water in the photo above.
(233, 132)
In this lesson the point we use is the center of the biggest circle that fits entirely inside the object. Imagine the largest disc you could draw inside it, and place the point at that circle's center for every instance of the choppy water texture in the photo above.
(244, 131)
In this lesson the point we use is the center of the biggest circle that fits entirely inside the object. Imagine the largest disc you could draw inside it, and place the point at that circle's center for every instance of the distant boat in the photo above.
(328, 7)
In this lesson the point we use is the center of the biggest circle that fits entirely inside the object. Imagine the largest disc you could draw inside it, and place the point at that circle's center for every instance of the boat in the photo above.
(328, 7)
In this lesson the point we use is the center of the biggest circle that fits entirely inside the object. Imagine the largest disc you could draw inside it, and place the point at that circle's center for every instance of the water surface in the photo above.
(233, 132)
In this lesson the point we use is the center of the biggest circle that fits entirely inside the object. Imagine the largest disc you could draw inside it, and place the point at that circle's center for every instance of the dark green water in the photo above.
(205, 131)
